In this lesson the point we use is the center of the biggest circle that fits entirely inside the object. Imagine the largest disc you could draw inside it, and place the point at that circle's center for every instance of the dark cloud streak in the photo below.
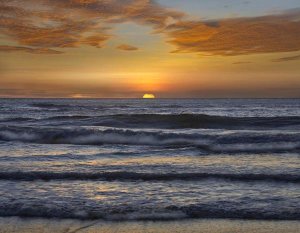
(284, 59)
(6, 48)
(126, 47)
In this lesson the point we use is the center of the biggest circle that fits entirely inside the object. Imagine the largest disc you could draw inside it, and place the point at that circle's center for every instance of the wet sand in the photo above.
(34, 225)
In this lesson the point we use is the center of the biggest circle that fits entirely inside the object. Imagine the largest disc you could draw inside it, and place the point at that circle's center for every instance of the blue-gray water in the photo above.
(150, 159)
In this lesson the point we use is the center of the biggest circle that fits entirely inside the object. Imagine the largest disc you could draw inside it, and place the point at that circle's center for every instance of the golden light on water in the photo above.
(148, 96)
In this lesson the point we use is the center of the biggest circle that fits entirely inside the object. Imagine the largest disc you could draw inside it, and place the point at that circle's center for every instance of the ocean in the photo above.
(142, 159)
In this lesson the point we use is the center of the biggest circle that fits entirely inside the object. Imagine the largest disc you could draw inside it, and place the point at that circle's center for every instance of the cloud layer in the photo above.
(52, 24)
(238, 36)
(48, 26)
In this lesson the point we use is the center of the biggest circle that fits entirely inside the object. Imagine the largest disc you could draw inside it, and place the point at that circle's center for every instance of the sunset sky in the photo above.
(171, 48)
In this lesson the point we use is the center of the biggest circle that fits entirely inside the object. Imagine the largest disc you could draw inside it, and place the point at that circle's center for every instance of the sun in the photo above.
(148, 96)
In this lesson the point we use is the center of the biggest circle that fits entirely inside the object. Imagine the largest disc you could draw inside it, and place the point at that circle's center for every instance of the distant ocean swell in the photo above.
(236, 141)
(169, 121)
(134, 176)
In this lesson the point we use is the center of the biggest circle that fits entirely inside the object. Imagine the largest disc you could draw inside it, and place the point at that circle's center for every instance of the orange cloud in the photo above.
(47, 29)
(71, 23)
(238, 36)
(126, 47)
(96, 40)
(57, 24)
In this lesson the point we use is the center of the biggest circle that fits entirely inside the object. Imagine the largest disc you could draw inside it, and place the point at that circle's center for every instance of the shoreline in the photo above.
(35, 225)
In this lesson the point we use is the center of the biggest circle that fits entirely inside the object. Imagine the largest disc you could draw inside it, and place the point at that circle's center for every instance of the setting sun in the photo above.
(148, 96)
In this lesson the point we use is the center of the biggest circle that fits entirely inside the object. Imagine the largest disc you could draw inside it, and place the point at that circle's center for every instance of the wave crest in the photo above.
(235, 142)
(175, 212)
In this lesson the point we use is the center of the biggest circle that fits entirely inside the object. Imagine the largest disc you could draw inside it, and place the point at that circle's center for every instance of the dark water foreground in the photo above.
(16, 225)
(150, 159)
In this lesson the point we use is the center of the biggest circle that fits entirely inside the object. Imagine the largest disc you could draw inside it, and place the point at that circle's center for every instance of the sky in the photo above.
(169, 48)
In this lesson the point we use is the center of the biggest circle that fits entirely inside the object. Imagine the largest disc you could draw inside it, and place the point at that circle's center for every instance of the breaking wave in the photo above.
(231, 142)
(115, 213)
(83, 136)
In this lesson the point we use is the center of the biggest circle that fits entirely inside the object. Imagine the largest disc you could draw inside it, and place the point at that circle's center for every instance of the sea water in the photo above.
(123, 159)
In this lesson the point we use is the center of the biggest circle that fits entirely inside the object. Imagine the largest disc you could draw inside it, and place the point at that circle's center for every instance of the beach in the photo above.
(14, 225)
